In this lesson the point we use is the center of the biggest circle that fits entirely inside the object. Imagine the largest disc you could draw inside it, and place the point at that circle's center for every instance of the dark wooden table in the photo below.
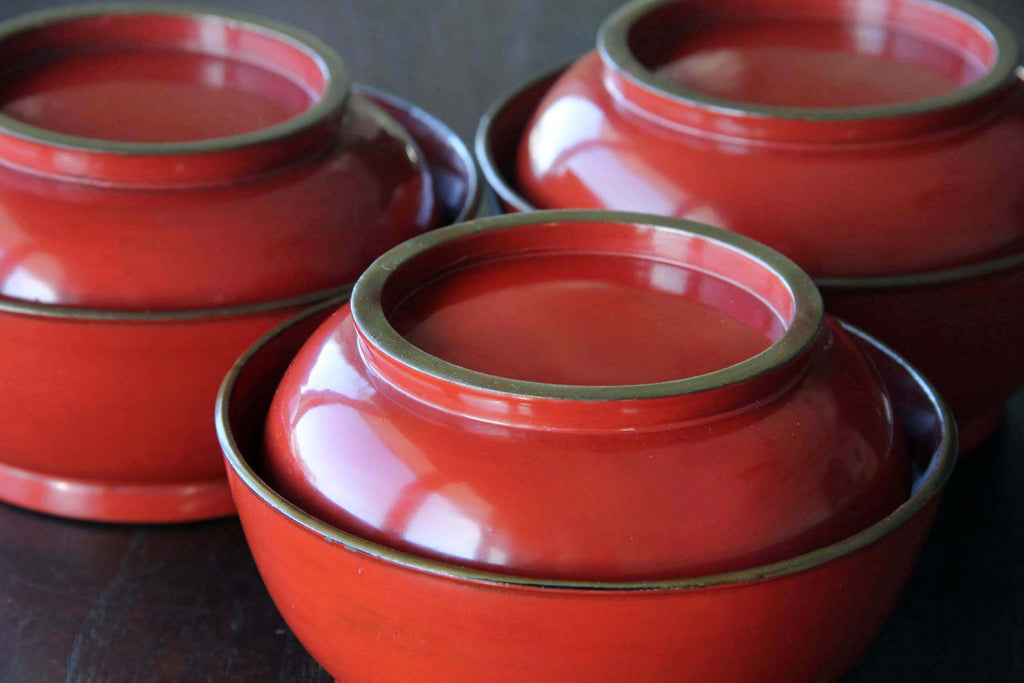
(87, 602)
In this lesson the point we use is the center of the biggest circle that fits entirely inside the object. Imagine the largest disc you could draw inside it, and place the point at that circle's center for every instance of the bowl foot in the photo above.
(111, 501)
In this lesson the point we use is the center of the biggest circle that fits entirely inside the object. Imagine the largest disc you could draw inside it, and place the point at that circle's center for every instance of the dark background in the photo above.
(87, 602)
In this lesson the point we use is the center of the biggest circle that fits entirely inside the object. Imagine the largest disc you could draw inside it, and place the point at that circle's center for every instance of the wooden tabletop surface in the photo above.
(89, 602)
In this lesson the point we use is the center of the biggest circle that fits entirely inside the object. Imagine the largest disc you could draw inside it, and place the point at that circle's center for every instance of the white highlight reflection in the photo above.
(32, 280)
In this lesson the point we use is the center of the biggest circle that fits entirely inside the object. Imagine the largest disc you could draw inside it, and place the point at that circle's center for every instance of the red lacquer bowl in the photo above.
(369, 613)
(857, 138)
(587, 395)
(962, 326)
(107, 413)
(161, 158)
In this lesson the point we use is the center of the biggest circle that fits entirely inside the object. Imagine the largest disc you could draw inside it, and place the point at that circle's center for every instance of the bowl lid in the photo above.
(190, 159)
(245, 396)
(789, 71)
(592, 358)
(121, 81)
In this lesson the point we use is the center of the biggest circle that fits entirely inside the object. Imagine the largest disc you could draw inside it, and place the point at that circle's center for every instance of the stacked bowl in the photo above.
(582, 445)
(879, 145)
(174, 183)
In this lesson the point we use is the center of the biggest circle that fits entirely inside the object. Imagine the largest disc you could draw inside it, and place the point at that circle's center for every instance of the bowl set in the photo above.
(580, 443)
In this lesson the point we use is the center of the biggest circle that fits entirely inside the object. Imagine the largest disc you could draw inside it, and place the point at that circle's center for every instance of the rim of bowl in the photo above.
(336, 79)
(613, 45)
(506, 191)
(800, 333)
(483, 145)
(969, 271)
(474, 187)
(932, 479)
(16, 306)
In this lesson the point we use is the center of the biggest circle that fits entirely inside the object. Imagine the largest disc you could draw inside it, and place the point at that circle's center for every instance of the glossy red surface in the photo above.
(586, 319)
(843, 189)
(155, 208)
(368, 614)
(816, 64)
(964, 332)
(744, 469)
(150, 96)
(970, 316)
(108, 418)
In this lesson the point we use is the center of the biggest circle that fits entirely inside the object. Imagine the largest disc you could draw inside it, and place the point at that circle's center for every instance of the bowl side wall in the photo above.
(98, 412)
(966, 336)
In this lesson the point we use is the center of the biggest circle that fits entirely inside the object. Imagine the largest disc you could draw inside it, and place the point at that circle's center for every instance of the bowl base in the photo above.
(106, 501)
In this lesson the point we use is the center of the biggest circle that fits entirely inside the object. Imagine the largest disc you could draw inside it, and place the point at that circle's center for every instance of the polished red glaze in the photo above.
(109, 419)
(150, 96)
(588, 319)
(220, 164)
(842, 189)
(107, 416)
(368, 614)
(815, 64)
(788, 454)
(964, 331)
(970, 316)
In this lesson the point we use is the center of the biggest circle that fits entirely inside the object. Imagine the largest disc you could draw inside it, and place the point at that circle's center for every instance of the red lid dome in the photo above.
(587, 395)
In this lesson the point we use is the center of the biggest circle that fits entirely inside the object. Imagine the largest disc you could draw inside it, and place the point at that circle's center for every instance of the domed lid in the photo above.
(792, 71)
(528, 392)
(119, 120)
(106, 93)
(826, 130)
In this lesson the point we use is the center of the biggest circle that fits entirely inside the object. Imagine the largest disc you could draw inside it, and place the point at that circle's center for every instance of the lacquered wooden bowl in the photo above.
(107, 412)
(962, 325)
(167, 158)
(367, 612)
(587, 395)
(858, 138)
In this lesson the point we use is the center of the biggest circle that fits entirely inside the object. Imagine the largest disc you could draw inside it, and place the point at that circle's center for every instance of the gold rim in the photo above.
(474, 188)
(613, 44)
(801, 331)
(932, 479)
(8, 305)
(971, 271)
(335, 75)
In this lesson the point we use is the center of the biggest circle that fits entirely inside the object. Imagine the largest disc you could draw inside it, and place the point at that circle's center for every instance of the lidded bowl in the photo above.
(134, 271)
(587, 395)
(858, 139)
(167, 158)
(904, 212)
(369, 612)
